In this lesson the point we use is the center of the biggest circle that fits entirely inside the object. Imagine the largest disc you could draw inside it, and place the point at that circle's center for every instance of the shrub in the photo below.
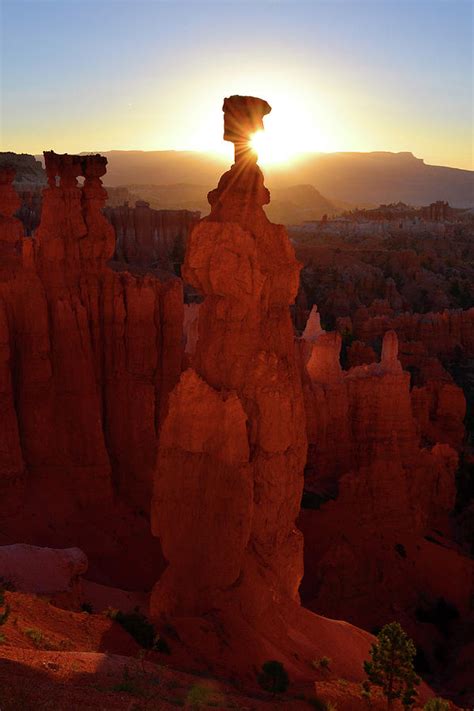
(391, 666)
(322, 663)
(87, 607)
(436, 704)
(141, 629)
(365, 691)
(7, 585)
(35, 635)
(127, 685)
(198, 696)
(273, 677)
(5, 615)
(321, 705)
(161, 645)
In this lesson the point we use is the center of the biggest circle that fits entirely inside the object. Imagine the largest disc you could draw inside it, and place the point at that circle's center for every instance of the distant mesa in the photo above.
(382, 177)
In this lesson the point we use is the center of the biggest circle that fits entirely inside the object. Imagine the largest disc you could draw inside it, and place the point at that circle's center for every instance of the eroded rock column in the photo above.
(229, 474)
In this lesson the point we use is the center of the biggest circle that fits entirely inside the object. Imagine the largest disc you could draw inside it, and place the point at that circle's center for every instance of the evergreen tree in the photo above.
(436, 704)
(391, 666)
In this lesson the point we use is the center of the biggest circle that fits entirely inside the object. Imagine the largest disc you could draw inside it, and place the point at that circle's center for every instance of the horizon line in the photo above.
(222, 156)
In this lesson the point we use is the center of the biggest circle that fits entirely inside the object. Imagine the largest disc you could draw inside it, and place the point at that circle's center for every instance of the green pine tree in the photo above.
(391, 666)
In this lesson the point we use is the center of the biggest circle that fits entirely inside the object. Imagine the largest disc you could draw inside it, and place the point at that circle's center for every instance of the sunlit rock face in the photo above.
(246, 269)
(229, 471)
(73, 232)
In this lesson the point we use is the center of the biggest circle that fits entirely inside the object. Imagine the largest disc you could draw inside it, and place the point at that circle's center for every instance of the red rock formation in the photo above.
(245, 345)
(443, 334)
(87, 358)
(146, 236)
(366, 553)
(439, 405)
(11, 229)
(359, 353)
(232, 449)
(370, 554)
(439, 408)
(30, 209)
(12, 468)
(191, 328)
(44, 571)
(351, 414)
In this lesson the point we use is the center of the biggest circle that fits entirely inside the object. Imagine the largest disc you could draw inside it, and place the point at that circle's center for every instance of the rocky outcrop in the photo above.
(244, 348)
(447, 334)
(29, 178)
(351, 414)
(11, 229)
(29, 212)
(232, 449)
(88, 357)
(29, 172)
(146, 236)
(379, 489)
(43, 571)
(439, 408)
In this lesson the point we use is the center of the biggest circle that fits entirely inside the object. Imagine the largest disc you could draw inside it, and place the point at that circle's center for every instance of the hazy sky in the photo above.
(343, 75)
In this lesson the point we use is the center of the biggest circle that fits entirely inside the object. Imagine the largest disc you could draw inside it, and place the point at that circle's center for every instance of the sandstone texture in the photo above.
(234, 440)
(88, 356)
(119, 401)
(379, 490)
(150, 237)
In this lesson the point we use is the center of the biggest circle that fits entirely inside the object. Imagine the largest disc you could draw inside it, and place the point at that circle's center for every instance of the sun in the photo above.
(281, 141)
(273, 149)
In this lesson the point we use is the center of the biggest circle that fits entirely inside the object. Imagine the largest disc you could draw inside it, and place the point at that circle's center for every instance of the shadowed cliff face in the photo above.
(380, 539)
(88, 357)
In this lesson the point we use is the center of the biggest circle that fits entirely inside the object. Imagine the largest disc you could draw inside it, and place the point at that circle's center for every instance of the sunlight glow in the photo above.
(272, 149)
(282, 140)
(295, 126)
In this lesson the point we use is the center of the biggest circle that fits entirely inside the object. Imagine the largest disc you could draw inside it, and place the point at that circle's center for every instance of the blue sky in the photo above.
(342, 75)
